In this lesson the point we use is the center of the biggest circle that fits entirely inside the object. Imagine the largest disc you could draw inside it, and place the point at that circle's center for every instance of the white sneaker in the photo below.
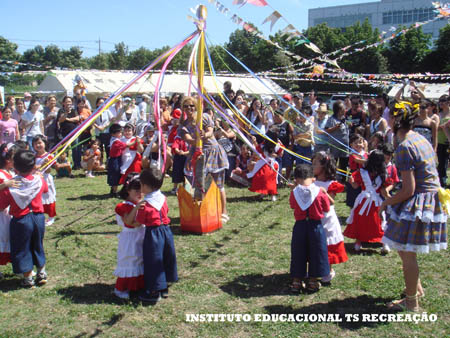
(274, 198)
(225, 218)
(50, 221)
(122, 294)
(385, 249)
(328, 278)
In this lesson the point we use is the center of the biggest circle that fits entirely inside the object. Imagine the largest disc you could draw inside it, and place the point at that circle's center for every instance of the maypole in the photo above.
(198, 158)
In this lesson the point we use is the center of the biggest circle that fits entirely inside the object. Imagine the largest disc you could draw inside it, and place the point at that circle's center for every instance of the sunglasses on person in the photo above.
(189, 106)
(423, 106)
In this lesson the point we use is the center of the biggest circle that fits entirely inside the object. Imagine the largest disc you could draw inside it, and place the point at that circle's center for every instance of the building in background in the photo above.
(381, 14)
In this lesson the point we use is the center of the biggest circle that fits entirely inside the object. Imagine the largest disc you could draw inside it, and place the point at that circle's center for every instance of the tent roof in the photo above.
(431, 90)
(110, 81)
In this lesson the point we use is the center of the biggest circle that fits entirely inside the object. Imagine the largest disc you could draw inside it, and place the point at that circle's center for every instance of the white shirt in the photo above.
(35, 129)
(103, 120)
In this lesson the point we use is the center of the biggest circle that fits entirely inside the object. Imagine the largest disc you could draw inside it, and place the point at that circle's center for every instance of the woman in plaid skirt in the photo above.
(416, 220)
(215, 157)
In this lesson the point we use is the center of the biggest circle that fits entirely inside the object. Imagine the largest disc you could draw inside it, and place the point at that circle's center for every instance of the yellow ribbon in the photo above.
(444, 197)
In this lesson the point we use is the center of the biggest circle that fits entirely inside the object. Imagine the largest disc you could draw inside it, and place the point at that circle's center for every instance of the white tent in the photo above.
(431, 91)
(105, 82)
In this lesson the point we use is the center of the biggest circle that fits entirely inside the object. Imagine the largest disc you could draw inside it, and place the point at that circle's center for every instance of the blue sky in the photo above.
(147, 23)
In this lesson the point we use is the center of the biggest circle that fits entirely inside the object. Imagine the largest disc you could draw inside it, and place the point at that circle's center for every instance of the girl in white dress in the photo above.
(324, 168)
(49, 198)
(130, 263)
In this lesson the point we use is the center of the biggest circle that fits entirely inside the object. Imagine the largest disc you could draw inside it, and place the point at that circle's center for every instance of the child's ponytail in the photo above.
(376, 165)
(131, 183)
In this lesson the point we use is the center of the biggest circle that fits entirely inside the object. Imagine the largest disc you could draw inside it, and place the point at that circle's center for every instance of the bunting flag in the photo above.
(260, 3)
(272, 18)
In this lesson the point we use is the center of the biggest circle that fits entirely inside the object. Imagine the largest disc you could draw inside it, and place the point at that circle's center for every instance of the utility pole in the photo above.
(99, 46)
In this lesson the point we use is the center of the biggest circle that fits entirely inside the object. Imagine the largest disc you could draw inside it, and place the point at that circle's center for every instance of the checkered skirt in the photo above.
(418, 225)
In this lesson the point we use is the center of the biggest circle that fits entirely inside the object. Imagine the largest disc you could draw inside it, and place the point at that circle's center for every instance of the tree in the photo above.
(438, 61)
(8, 51)
(119, 56)
(72, 58)
(101, 62)
(139, 58)
(406, 52)
(35, 56)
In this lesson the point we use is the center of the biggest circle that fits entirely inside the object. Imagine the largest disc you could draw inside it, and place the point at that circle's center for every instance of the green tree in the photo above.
(8, 51)
(139, 58)
(72, 58)
(438, 61)
(35, 56)
(101, 62)
(407, 52)
(119, 56)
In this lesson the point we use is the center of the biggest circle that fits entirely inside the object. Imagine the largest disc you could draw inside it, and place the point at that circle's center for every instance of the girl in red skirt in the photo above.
(48, 198)
(130, 262)
(265, 173)
(131, 157)
(324, 168)
(364, 223)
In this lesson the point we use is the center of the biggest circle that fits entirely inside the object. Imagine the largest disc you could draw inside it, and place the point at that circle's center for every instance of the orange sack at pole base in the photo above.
(200, 217)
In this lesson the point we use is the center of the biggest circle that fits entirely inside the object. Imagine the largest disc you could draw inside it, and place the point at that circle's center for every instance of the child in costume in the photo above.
(6, 174)
(309, 255)
(160, 262)
(117, 147)
(364, 224)
(180, 150)
(239, 174)
(130, 264)
(91, 159)
(48, 198)
(264, 174)
(131, 156)
(355, 162)
(27, 227)
(324, 168)
(391, 169)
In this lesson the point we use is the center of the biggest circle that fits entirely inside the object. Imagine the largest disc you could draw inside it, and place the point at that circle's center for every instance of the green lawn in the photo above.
(241, 269)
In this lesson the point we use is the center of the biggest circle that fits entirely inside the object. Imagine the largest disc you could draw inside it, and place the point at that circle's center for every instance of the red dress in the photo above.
(135, 166)
(5, 218)
(364, 223)
(264, 180)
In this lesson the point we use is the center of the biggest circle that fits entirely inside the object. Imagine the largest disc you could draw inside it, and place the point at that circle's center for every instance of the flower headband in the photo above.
(403, 106)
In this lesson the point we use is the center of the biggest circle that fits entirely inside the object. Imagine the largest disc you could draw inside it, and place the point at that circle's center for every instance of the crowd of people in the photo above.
(297, 142)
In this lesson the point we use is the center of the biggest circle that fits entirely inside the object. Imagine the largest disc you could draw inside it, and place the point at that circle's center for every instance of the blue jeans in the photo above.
(27, 242)
(160, 261)
(309, 245)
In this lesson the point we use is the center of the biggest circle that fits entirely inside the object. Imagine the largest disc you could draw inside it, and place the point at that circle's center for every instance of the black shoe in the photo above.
(150, 296)
(165, 293)
(27, 283)
(41, 278)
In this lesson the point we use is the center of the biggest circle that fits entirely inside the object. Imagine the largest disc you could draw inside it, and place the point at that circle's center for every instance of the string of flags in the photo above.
(440, 9)
(290, 31)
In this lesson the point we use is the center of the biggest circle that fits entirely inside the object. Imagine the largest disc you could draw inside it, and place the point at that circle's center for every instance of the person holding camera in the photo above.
(339, 130)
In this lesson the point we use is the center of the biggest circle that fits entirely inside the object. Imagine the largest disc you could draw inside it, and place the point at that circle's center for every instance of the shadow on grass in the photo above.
(10, 282)
(96, 293)
(248, 199)
(357, 306)
(108, 324)
(90, 197)
(257, 285)
(366, 250)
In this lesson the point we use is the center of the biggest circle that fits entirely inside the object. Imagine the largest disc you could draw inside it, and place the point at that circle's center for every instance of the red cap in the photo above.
(287, 97)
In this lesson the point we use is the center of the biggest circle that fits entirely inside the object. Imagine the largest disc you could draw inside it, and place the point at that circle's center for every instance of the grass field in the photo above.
(241, 269)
